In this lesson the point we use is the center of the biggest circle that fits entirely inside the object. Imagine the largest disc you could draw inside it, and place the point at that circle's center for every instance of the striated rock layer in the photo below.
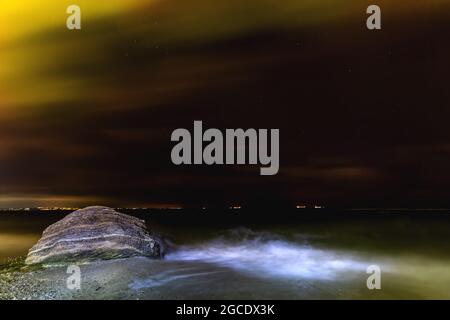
(95, 233)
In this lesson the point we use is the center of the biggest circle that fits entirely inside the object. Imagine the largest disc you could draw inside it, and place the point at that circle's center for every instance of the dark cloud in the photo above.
(362, 115)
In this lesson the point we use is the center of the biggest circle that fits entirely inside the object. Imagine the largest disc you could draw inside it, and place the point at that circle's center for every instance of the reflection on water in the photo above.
(15, 244)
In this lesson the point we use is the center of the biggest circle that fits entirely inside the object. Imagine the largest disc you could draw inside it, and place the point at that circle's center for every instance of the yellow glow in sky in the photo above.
(22, 18)
(31, 49)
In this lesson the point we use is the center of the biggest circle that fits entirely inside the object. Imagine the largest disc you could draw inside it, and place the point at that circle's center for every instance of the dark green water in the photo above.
(320, 257)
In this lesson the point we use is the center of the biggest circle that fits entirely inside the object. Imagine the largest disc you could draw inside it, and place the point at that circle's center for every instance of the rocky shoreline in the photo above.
(100, 241)
(100, 280)
(135, 278)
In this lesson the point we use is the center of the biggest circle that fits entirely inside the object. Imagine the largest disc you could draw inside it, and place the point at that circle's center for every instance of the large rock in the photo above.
(95, 233)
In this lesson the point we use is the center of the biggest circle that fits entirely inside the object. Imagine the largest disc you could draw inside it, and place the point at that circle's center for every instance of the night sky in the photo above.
(86, 116)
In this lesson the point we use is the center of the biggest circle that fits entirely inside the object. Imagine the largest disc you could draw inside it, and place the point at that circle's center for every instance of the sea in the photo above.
(278, 253)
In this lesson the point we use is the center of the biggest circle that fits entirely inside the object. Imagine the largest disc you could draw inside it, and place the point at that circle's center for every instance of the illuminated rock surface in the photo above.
(95, 233)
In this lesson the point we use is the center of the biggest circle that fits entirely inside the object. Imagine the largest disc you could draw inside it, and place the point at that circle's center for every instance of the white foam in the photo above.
(272, 258)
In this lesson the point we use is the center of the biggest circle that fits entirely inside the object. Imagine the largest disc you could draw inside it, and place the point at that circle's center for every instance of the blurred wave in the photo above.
(266, 254)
